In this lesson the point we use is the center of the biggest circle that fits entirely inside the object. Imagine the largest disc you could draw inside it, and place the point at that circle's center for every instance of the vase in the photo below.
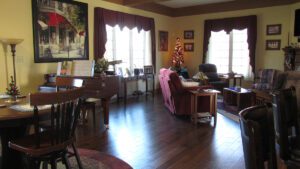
(12, 99)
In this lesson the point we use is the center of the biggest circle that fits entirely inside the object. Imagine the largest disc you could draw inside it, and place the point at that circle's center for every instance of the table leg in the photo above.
(105, 105)
(234, 81)
(215, 108)
(240, 81)
(11, 159)
(125, 92)
(146, 81)
(153, 86)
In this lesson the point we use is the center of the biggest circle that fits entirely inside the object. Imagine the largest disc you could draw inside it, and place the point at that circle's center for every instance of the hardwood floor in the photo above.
(147, 136)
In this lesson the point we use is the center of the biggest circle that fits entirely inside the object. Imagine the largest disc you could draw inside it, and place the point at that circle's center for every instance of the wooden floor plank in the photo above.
(147, 136)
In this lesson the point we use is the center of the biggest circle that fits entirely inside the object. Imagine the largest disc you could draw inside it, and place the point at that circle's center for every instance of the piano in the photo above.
(102, 87)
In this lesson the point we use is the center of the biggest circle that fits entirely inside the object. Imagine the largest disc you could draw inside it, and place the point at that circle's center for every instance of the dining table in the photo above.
(14, 124)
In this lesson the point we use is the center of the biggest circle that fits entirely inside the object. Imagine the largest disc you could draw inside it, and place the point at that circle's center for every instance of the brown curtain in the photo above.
(228, 24)
(113, 18)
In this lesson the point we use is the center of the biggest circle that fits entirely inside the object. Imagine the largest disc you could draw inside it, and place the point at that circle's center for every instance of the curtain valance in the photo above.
(228, 24)
(113, 18)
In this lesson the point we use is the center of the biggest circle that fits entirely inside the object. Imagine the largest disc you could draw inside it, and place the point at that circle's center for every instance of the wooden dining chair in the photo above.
(69, 83)
(51, 144)
(286, 120)
(257, 131)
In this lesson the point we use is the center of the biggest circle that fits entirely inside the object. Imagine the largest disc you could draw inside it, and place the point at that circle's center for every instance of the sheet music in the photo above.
(83, 68)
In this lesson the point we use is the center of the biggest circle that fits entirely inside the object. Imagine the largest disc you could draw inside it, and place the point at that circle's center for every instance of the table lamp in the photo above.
(12, 42)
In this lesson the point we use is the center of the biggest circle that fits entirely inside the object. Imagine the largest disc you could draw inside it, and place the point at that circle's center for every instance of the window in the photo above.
(130, 46)
(229, 52)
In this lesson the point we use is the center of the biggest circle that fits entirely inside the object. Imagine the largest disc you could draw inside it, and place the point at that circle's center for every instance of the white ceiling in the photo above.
(186, 3)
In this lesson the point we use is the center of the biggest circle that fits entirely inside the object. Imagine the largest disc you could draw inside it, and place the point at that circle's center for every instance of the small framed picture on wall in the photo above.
(273, 44)
(163, 41)
(188, 47)
(148, 69)
(274, 29)
(188, 34)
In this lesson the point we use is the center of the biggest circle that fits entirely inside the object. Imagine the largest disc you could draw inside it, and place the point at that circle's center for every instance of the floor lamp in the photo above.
(12, 43)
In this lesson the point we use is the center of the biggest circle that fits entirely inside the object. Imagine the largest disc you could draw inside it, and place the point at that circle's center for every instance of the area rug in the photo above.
(227, 111)
(92, 159)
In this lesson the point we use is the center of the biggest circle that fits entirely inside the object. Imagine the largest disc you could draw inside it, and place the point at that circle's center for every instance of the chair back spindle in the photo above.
(65, 109)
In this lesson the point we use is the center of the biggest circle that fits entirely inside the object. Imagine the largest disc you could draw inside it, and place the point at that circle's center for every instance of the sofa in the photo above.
(176, 95)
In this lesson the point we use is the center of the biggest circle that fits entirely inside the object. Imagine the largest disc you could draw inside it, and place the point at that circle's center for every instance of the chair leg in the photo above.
(77, 156)
(53, 163)
(65, 160)
(45, 165)
(94, 114)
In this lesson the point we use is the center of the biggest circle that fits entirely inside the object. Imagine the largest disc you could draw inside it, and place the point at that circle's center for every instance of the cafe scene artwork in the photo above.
(60, 30)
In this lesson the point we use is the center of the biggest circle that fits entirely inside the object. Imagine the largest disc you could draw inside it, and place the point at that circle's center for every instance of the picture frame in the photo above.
(188, 47)
(60, 30)
(273, 29)
(273, 44)
(163, 40)
(188, 34)
(148, 69)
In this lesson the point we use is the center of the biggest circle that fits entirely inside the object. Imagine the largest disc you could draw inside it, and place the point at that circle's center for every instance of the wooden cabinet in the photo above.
(291, 58)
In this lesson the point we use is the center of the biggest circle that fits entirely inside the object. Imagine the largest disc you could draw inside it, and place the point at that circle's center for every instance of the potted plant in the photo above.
(101, 66)
(12, 90)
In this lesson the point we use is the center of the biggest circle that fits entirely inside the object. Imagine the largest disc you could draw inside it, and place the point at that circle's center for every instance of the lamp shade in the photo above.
(11, 41)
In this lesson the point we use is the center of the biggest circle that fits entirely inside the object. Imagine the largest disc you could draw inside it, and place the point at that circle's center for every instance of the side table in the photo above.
(204, 104)
(144, 77)
(239, 97)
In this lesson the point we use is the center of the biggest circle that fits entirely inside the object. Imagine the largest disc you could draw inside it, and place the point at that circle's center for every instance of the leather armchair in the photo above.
(210, 70)
(177, 97)
(257, 131)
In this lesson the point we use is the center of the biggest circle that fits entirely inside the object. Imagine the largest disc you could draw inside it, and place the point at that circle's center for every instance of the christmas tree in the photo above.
(177, 57)
(12, 88)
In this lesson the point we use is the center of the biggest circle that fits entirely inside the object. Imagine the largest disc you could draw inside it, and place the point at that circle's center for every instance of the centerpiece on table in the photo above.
(12, 90)
(101, 66)
(201, 78)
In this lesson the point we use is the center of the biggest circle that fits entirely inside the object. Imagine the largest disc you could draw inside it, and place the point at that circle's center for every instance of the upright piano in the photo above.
(102, 87)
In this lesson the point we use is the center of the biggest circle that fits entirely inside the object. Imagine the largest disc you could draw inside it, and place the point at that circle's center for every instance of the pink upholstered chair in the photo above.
(177, 97)
(163, 81)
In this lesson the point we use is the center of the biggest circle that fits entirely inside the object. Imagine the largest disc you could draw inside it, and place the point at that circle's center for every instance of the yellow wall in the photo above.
(16, 22)
(264, 58)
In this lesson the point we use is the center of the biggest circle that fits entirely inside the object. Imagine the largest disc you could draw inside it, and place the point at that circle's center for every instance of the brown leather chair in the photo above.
(51, 144)
(257, 131)
(286, 119)
(181, 97)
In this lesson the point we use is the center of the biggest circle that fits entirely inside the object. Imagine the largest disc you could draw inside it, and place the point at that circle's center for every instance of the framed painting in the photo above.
(188, 47)
(274, 29)
(273, 44)
(163, 41)
(189, 34)
(60, 30)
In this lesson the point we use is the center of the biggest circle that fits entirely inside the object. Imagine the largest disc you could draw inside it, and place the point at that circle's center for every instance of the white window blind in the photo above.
(229, 52)
(130, 46)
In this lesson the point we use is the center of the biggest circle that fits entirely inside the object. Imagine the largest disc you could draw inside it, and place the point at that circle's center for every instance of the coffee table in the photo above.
(238, 96)
(204, 104)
